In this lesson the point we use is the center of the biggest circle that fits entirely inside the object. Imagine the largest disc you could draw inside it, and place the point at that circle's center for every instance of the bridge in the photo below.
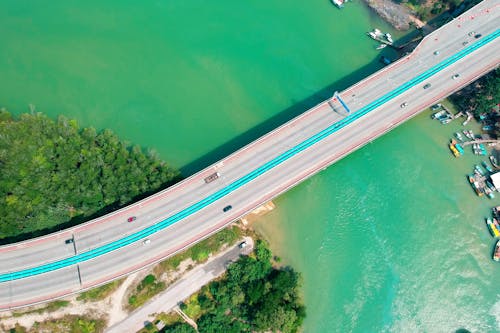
(109, 247)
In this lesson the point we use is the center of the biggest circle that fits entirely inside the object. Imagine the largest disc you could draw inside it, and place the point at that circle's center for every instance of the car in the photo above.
(69, 241)
(131, 219)
(146, 241)
(427, 85)
(465, 43)
(471, 33)
(478, 36)
(456, 76)
(242, 245)
(436, 52)
(405, 104)
(227, 208)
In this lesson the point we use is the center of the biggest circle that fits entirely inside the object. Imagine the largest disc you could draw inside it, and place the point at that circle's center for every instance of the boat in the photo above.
(493, 230)
(476, 149)
(436, 107)
(338, 3)
(488, 127)
(471, 135)
(389, 38)
(459, 148)
(381, 46)
(491, 195)
(453, 149)
(478, 189)
(438, 114)
(479, 169)
(471, 179)
(487, 166)
(482, 150)
(459, 136)
(493, 160)
(385, 60)
(496, 211)
(466, 133)
(496, 253)
(495, 222)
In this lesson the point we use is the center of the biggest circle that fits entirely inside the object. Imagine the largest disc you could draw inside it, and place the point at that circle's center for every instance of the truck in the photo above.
(212, 177)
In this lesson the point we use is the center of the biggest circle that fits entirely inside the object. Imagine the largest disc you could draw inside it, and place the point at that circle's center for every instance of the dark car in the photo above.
(69, 241)
(227, 208)
(131, 219)
(428, 85)
(478, 36)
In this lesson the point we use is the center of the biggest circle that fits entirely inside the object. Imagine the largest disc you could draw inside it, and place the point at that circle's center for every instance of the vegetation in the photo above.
(50, 307)
(200, 251)
(99, 293)
(68, 323)
(481, 96)
(252, 297)
(426, 9)
(54, 174)
(150, 286)
(146, 289)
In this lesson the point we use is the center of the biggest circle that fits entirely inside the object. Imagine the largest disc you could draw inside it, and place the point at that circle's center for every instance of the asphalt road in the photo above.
(448, 40)
(190, 283)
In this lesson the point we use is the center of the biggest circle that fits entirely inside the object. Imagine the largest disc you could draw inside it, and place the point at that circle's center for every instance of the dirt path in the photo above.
(116, 312)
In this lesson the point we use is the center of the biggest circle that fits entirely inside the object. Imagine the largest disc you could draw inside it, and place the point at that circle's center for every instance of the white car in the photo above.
(456, 76)
(146, 241)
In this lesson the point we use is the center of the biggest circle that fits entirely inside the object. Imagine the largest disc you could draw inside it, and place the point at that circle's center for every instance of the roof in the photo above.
(495, 178)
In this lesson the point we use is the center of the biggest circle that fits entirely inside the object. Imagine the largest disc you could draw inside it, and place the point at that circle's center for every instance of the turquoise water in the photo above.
(389, 239)
(392, 239)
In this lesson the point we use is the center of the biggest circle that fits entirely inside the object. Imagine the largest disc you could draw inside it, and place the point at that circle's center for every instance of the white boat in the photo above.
(338, 3)
(381, 46)
(389, 38)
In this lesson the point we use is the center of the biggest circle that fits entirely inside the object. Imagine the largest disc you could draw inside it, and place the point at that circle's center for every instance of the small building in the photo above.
(495, 178)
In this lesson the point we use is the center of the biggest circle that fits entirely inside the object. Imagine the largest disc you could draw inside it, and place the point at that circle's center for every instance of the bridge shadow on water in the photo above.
(223, 150)
(298, 108)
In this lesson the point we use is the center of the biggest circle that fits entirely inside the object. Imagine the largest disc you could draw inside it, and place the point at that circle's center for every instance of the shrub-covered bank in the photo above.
(54, 174)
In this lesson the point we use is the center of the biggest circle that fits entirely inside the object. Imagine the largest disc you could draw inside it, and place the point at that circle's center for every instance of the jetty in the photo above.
(468, 143)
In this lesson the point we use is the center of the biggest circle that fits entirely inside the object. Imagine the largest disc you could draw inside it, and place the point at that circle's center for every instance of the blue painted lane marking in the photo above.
(250, 176)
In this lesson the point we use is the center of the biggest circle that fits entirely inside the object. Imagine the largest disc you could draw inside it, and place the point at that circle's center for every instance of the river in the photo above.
(390, 238)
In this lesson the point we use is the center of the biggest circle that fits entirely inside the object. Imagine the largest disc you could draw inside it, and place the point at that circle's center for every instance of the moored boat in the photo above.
(381, 46)
(459, 148)
(496, 252)
(483, 150)
(493, 230)
(493, 160)
(490, 186)
(459, 136)
(479, 169)
(389, 38)
(487, 166)
(453, 149)
(338, 3)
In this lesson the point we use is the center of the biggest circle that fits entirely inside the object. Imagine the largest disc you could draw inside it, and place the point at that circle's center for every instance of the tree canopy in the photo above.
(480, 96)
(52, 173)
(253, 296)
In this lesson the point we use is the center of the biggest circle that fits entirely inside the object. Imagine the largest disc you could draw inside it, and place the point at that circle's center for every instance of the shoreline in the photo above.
(398, 16)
